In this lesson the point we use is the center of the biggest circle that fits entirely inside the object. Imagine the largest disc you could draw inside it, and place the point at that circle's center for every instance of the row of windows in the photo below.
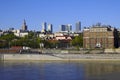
(100, 34)
(98, 30)
(96, 34)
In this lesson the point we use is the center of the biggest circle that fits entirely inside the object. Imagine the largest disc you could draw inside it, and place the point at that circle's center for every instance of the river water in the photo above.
(58, 70)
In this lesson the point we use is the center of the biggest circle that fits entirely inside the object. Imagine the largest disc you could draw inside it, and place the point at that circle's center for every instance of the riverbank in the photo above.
(60, 57)
(61, 51)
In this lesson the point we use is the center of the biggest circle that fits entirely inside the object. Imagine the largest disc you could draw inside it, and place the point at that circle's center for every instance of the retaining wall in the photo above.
(28, 57)
(60, 57)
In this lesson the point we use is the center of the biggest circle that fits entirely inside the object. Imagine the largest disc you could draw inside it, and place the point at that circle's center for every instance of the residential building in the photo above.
(42, 35)
(20, 33)
(58, 34)
(46, 36)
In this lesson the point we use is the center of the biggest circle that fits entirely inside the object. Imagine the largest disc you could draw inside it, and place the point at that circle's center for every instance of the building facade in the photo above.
(62, 27)
(66, 28)
(50, 28)
(78, 27)
(69, 28)
(100, 37)
(44, 26)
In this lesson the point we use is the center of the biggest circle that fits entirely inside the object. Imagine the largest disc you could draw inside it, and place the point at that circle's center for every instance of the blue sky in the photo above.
(57, 12)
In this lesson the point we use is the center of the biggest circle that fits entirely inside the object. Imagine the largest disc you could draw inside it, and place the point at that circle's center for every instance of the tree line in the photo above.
(32, 41)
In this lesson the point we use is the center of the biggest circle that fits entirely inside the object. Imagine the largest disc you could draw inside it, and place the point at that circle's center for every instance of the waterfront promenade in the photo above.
(53, 54)
(64, 57)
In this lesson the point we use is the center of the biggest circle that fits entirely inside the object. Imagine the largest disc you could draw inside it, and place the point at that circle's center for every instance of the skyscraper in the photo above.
(24, 26)
(69, 27)
(44, 25)
(62, 27)
(50, 28)
(78, 26)
(66, 28)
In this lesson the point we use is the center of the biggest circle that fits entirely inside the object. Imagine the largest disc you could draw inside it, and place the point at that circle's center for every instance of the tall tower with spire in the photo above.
(24, 26)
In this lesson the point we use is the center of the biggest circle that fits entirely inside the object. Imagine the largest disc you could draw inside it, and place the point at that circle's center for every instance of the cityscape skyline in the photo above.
(58, 12)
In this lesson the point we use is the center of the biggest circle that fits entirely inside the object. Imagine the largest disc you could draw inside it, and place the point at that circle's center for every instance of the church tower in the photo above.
(24, 26)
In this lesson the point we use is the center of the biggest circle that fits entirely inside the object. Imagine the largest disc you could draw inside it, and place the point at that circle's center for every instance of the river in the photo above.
(58, 70)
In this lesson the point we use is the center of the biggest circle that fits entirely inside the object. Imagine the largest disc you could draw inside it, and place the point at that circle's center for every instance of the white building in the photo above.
(58, 34)
(20, 33)
(42, 35)
(46, 36)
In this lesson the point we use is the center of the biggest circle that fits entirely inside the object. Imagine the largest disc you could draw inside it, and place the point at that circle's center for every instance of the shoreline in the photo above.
(59, 57)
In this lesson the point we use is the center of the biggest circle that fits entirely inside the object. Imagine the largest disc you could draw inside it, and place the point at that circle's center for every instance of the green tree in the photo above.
(78, 41)
(6, 40)
(8, 37)
(52, 44)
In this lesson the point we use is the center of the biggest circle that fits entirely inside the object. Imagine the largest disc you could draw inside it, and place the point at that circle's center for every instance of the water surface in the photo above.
(58, 70)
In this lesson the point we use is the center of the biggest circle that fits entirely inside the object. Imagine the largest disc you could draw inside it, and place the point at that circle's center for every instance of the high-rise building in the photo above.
(69, 27)
(50, 28)
(62, 27)
(44, 25)
(24, 26)
(66, 28)
(78, 26)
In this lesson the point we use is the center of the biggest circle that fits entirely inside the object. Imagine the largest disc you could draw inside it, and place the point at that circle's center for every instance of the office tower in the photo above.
(24, 26)
(44, 24)
(62, 27)
(50, 28)
(78, 26)
(66, 28)
(69, 27)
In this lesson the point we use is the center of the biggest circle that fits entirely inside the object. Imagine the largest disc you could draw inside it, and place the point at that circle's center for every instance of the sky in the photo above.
(58, 12)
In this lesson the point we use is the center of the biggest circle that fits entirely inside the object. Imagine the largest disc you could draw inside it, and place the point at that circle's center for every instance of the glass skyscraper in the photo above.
(78, 26)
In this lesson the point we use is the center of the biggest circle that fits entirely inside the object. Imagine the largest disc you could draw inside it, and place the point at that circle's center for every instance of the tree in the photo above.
(6, 40)
(78, 41)
(8, 37)
(25, 41)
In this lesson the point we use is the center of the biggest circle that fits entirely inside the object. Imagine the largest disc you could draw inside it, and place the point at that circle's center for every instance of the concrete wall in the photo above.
(59, 57)
(112, 50)
(28, 57)
(64, 55)
(72, 51)
(97, 51)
